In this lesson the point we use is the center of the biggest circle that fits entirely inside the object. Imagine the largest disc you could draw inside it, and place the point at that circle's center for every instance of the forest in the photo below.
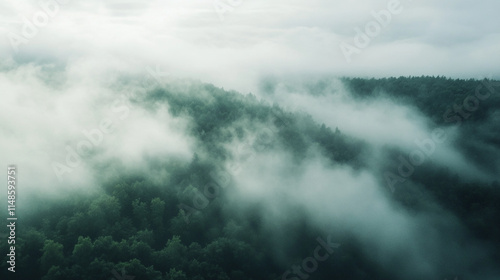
(199, 219)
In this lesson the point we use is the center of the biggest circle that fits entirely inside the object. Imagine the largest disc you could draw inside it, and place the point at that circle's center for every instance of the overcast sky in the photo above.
(235, 46)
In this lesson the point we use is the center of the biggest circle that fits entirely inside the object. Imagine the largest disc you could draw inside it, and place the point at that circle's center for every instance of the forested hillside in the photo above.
(225, 214)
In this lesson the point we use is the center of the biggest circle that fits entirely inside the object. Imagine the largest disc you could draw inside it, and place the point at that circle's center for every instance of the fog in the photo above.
(421, 246)
(381, 121)
(255, 38)
(72, 106)
(58, 128)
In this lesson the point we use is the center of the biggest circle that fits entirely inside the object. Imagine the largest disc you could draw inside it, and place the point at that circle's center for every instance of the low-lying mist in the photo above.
(350, 166)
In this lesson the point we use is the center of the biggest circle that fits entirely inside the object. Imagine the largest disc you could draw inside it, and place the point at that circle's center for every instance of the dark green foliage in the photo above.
(431, 95)
(134, 226)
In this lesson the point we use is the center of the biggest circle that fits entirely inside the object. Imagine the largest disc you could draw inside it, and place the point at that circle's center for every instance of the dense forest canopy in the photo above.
(267, 185)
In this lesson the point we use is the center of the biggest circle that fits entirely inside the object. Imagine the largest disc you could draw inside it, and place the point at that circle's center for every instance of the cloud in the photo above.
(337, 197)
(381, 122)
(79, 73)
(264, 37)
(59, 128)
